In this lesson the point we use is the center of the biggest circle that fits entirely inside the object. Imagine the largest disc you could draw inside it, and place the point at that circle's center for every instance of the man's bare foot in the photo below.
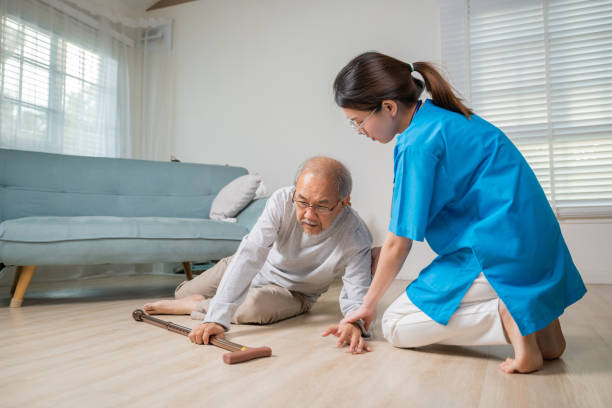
(551, 341)
(527, 354)
(181, 306)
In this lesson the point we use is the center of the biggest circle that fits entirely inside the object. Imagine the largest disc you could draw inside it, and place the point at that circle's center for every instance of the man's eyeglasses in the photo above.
(318, 209)
(359, 126)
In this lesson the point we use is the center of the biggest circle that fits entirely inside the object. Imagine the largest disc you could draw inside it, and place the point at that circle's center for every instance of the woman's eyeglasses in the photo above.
(359, 126)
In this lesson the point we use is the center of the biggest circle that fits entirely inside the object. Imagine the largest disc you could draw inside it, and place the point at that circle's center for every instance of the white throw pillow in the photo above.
(261, 192)
(234, 197)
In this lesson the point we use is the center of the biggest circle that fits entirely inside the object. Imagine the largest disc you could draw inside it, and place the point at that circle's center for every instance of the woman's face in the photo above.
(380, 126)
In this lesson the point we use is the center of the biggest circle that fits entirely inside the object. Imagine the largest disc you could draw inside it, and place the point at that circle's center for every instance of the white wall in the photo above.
(590, 243)
(253, 88)
(254, 85)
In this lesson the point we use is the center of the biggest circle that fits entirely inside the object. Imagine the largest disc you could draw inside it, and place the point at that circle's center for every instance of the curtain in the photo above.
(77, 79)
(153, 138)
(151, 77)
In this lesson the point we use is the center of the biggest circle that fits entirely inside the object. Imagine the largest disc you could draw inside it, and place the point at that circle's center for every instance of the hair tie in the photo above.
(411, 67)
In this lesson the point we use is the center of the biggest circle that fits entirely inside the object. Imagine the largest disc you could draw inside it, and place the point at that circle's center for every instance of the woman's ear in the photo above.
(390, 106)
(346, 201)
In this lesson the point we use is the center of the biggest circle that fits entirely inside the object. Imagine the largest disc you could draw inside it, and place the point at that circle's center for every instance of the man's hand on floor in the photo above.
(201, 333)
(348, 333)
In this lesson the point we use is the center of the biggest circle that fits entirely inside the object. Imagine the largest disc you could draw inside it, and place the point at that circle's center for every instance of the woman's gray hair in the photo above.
(331, 168)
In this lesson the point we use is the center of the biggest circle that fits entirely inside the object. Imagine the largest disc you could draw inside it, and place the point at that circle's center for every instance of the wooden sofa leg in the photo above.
(15, 280)
(187, 269)
(24, 276)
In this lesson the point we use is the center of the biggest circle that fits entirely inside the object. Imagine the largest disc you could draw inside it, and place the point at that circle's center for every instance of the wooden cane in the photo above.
(238, 353)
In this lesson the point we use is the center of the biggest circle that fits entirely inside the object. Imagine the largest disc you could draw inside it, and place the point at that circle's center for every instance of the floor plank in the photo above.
(75, 343)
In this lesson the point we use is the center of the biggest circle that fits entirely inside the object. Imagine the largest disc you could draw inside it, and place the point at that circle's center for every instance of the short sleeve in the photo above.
(413, 193)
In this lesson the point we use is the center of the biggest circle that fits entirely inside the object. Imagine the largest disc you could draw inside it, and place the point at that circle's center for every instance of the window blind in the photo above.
(542, 72)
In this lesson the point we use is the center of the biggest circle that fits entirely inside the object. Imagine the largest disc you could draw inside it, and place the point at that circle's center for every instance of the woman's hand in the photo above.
(366, 313)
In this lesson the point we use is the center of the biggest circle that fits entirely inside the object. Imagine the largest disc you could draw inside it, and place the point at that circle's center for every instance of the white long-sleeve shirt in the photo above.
(278, 251)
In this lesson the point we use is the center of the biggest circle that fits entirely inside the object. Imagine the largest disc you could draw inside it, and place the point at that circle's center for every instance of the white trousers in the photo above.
(476, 321)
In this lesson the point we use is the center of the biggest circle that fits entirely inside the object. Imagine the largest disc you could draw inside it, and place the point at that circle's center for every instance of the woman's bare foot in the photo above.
(181, 306)
(527, 354)
(551, 341)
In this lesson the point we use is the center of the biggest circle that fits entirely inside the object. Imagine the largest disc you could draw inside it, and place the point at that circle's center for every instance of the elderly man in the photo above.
(306, 237)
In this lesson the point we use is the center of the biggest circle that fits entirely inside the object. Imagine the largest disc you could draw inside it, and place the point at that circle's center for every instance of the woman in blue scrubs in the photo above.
(503, 271)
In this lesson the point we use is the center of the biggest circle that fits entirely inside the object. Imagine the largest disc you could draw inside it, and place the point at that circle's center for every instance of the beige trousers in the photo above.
(263, 305)
(475, 322)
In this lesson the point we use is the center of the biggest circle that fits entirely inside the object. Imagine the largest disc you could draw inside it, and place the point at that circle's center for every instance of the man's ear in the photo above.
(346, 201)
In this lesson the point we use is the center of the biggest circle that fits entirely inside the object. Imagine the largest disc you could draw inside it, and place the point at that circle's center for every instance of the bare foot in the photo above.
(527, 354)
(551, 341)
(175, 307)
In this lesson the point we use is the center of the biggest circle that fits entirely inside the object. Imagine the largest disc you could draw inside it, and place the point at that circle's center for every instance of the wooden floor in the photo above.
(69, 347)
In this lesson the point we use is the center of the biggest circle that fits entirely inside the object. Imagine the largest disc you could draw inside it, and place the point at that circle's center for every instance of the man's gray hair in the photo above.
(328, 167)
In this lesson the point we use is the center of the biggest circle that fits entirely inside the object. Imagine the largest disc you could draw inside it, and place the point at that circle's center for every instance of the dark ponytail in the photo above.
(372, 77)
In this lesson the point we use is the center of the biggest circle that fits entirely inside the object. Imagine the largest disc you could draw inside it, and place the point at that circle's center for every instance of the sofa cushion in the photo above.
(234, 197)
(53, 229)
(115, 240)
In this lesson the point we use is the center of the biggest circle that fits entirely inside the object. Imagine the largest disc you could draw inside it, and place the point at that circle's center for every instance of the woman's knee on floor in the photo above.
(388, 325)
(403, 333)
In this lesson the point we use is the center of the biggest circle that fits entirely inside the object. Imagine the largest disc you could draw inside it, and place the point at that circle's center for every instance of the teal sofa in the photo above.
(74, 210)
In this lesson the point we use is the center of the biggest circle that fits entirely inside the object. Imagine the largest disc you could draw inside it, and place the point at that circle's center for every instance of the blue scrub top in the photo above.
(462, 185)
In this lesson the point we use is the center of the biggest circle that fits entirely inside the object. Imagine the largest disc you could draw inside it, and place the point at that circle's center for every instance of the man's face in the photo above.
(313, 190)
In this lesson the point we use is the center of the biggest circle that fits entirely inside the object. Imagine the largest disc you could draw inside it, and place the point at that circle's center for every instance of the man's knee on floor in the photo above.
(181, 290)
(252, 310)
(188, 288)
(269, 304)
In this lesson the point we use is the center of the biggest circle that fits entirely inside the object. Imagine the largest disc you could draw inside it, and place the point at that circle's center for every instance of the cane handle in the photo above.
(246, 355)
